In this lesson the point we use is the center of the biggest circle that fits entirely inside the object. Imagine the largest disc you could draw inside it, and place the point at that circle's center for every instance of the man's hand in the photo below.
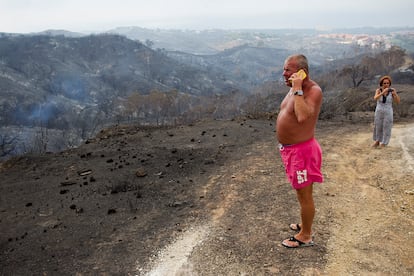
(297, 78)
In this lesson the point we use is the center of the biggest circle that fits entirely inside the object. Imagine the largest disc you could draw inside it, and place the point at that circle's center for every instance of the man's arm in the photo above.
(307, 106)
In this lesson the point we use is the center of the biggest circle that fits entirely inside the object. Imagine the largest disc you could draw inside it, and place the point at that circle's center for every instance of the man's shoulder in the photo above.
(315, 85)
(312, 88)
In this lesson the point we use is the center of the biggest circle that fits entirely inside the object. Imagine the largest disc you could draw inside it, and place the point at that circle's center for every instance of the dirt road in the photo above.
(373, 205)
(364, 223)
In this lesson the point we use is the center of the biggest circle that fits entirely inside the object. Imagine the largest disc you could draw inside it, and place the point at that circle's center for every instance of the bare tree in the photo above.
(358, 74)
(8, 145)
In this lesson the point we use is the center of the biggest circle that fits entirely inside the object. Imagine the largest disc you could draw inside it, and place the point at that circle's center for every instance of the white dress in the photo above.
(383, 120)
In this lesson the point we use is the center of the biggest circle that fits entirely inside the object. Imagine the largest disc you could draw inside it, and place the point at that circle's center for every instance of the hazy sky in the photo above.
(24, 16)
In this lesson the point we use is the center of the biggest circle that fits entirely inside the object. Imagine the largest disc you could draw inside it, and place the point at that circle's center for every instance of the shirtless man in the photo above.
(300, 152)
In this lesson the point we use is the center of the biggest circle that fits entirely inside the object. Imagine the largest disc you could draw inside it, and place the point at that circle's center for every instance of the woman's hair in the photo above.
(385, 78)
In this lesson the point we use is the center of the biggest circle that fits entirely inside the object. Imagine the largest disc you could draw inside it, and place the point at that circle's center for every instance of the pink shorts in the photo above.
(302, 162)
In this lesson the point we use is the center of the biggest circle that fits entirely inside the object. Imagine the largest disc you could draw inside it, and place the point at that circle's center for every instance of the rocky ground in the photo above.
(207, 199)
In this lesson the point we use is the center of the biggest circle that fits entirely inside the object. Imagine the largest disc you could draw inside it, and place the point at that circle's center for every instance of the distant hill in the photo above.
(91, 70)
(58, 88)
(212, 41)
(72, 86)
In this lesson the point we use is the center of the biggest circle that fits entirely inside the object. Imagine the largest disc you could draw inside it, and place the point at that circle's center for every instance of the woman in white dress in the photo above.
(383, 121)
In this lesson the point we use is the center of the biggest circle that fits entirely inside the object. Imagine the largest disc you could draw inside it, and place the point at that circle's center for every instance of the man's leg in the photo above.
(307, 213)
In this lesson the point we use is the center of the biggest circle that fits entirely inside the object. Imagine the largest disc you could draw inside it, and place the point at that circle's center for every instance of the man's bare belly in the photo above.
(290, 132)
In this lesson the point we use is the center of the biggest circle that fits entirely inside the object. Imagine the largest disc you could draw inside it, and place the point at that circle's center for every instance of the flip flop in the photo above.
(295, 227)
(299, 243)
